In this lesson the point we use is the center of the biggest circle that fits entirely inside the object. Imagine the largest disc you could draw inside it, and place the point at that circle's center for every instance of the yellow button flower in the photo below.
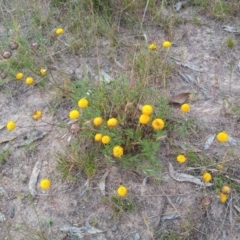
(122, 191)
(98, 137)
(19, 76)
(207, 177)
(98, 121)
(167, 44)
(185, 107)
(181, 158)
(152, 46)
(74, 114)
(106, 139)
(112, 122)
(29, 81)
(222, 136)
(43, 71)
(158, 124)
(59, 31)
(36, 115)
(223, 197)
(117, 151)
(147, 109)
(144, 119)
(45, 184)
(83, 103)
(10, 125)
(226, 189)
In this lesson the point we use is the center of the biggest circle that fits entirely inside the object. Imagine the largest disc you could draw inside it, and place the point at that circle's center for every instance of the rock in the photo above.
(11, 211)
(114, 228)
(136, 236)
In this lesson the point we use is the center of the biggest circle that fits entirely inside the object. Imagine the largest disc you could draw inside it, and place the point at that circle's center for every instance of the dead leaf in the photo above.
(143, 186)
(182, 177)
(231, 29)
(104, 77)
(192, 67)
(34, 177)
(7, 139)
(237, 208)
(82, 231)
(102, 183)
(209, 141)
(2, 126)
(233, 141)
(239, 66)
(180, 98)
(3, 191)
(188, 78)
(170, 216)
(179, 5)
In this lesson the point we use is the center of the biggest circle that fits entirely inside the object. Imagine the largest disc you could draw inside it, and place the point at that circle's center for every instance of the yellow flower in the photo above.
(207, 177)
(181, 158)
(36, 115)
(147, 109)
(152, 46)
(117, 151)
(59, 31)
(122, 191)
(167, 44)
(144, 119)
(112, 122)
(158, 124)
(222, 136)
(226, 189)
(74, 114)
(19, 76)
(106, 139)
(97, 121)
(223, 197)
(185, 108)
(83, 103)
(29, 81)
(45, 184)
(98, 137)
(43, 71)
(10, 125)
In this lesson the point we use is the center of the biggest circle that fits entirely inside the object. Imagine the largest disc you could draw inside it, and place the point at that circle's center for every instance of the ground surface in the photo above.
(164, 210)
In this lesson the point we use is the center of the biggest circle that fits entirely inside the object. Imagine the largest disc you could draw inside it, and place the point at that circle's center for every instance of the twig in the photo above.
(144, 13)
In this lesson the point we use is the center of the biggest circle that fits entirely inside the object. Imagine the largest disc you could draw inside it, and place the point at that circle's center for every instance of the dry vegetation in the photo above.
(122, 116)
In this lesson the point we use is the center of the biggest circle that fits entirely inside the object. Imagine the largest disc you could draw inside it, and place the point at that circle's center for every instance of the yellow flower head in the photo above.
(10, 125)
(98, 121)
(45, 184)
(185, 107)
(222, 136)
(117, 151)
(122, 191)
(83, 103)
(144, 119)
(29, 81)
(43, 71)
(106, 139)
(223, 197)
(158, 124)
(147, 109)
(74, 114)
(36, 115)
(207, 177)
(181, 158)
(167, 44)
(59, 31)
(112, 122)
(98, 137)
(152, 46)
(226, 189)
(19, 76)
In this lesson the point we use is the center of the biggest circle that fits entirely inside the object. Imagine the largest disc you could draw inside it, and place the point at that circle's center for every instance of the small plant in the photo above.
(230, 42)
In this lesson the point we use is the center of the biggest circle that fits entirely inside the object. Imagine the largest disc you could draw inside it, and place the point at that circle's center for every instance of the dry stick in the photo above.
(160, 212)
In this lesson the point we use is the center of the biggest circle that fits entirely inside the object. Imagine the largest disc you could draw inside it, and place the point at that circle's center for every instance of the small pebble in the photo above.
(2, 217)
(114, 228)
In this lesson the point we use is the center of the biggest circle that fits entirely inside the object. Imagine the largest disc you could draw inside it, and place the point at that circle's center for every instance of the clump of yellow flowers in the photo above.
(117, 151)
(59, 31)
(19, 76)
(36, 115)
(74, 114)
(152, 46)
(29, 81)
(207, 177)
(181, 158)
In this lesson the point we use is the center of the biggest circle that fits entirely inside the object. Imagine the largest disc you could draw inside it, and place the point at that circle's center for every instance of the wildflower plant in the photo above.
(120, 125)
